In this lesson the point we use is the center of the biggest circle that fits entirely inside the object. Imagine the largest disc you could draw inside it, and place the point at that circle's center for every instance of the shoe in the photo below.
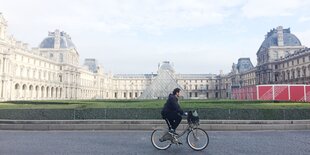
(173, 132)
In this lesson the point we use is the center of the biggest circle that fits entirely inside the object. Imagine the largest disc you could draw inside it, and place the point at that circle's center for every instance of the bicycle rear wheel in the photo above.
(159, 139)
(197, 139)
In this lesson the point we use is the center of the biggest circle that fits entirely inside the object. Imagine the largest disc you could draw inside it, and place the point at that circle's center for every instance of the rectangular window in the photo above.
(190, 94)
(196, 94)
(130, 94)
(207, 95)
(136, 94)
(216, 94)
(115, 95)
(196, 87)
(125, 95)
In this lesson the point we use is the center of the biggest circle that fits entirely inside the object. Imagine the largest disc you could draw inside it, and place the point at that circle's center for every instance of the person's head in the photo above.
(176, 92)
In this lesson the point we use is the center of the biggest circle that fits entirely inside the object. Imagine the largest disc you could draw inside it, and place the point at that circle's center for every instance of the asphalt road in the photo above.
(138, 142)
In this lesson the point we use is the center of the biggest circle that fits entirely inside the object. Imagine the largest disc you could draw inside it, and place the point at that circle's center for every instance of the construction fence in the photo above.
(300, 93)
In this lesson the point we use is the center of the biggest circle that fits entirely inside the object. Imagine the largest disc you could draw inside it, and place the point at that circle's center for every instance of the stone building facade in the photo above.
(52, 71)
(281, 59)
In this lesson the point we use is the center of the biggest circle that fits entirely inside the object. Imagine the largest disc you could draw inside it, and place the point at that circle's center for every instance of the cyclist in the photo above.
(172, 111)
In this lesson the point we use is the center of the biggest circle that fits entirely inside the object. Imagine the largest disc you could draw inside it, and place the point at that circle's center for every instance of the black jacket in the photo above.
(171, 106)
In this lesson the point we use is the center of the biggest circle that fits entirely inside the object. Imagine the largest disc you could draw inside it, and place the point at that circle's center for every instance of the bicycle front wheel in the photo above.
(197, 139)
(159, 139)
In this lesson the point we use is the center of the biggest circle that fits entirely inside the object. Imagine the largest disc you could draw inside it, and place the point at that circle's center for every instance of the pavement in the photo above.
(137, 142)
(209, 125)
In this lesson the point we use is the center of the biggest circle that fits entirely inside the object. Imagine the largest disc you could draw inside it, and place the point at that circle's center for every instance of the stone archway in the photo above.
(30, 93)
(47, 92)
(37, 92)
(56, 93)
(17, 91)
(24, 91)
(60, 93)
(52, 92)
(42, 92)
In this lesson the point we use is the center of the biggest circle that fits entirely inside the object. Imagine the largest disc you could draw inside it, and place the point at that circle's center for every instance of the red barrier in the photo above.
(273, 92)
(245, 93)
(281, 93)
(297, 93)
(265, 93)
(307, 93)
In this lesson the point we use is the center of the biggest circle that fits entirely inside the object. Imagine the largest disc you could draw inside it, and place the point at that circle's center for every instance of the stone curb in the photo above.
(209, 125)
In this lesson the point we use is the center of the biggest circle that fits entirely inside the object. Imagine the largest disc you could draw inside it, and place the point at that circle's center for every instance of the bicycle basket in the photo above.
(193, 118)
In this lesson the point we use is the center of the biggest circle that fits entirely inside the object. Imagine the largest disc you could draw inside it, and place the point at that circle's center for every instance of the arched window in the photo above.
(17, 90)
(24, 90)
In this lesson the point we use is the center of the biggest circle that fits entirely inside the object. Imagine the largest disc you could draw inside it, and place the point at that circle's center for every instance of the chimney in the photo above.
(280, 35)
(57, 39)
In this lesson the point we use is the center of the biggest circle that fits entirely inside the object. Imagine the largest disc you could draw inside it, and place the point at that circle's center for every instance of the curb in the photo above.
(209, 125)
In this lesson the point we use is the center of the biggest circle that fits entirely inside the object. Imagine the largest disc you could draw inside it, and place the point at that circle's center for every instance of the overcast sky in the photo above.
(133, 36)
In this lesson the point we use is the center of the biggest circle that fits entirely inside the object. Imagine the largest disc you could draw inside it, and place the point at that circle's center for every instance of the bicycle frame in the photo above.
(194, 133)
(188, 128)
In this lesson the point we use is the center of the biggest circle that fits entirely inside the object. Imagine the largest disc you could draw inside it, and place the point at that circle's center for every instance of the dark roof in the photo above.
(65, 41)
(271, 39)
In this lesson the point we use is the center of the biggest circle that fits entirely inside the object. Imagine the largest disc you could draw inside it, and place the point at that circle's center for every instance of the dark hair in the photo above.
(176, 90)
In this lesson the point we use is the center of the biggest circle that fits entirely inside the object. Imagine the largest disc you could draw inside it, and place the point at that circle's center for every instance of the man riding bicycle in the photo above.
(196, 138)
(172, 111)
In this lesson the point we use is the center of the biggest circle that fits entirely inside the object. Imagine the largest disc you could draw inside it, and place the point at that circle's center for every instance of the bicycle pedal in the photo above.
(176, 141)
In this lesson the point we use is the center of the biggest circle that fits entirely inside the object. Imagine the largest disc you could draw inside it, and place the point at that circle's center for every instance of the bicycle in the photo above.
(197, 138)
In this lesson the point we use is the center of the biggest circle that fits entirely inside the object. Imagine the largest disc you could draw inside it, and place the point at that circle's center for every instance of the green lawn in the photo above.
(186, 104)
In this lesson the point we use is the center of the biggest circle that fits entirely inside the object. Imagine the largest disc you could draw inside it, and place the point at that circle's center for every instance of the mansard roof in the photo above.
(49, 42)
(289, 39)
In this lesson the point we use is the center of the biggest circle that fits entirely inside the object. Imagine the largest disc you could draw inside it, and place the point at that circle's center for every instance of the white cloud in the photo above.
(128, 36)
(304, 19)
(118, 15)
(272, 8)
(304, 37)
